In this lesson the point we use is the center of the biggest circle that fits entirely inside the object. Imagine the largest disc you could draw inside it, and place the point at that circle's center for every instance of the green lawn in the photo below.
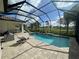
(56, 31)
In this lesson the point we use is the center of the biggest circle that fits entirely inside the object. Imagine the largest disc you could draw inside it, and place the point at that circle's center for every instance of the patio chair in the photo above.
(22, 40)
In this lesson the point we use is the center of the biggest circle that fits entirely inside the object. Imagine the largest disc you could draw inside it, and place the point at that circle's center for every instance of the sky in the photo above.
(54, 16)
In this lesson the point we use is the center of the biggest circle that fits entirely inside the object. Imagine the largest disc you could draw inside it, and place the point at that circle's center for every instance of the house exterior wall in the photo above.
(9, 26)
(1, 6)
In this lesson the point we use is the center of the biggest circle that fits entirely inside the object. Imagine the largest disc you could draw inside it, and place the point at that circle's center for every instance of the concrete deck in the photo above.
(32, 49)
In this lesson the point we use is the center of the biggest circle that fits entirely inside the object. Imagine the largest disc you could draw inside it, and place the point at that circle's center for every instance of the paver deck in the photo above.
(33, 49)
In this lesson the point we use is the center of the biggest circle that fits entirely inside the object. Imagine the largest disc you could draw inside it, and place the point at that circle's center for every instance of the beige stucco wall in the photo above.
(1, 6)
(8, 25)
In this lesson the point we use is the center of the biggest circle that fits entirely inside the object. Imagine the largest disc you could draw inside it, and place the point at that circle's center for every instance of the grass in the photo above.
(57, 31)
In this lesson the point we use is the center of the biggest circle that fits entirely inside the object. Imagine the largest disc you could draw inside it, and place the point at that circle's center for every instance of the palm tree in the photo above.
(47, 26)
(35, 26)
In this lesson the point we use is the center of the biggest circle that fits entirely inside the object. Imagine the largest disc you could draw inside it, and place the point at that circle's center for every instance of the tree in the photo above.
(35, 26)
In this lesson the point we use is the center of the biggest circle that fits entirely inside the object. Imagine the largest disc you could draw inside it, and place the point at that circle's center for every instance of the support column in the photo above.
(22, 27)
(77, 28)
(1, 6)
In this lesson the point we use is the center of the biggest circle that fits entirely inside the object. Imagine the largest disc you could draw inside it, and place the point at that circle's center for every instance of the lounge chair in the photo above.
(22, 40)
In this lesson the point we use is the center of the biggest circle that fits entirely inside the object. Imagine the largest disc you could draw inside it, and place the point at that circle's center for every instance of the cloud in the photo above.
(26, 7)
(65, 5)
(13, 1)
(32, 20)
(34, 2)
(55, 23)
(71, 24)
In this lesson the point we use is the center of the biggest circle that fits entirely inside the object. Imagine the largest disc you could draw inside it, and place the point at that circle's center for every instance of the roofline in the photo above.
(12, 20)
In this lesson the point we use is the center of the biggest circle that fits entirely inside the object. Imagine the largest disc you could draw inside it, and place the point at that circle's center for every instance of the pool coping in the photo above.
(49, 47)
(62, 36)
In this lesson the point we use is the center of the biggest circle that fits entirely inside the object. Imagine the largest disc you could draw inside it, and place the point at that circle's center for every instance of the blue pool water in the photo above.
(52, 40)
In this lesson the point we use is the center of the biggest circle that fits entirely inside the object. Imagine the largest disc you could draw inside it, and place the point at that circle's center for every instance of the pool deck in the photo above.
(32, 49)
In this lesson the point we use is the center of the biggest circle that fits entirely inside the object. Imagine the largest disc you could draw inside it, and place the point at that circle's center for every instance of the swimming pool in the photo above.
(52, 40)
